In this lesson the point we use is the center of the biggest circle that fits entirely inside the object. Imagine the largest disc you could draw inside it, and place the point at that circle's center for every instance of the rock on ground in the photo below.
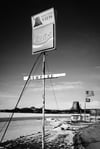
(88, 138)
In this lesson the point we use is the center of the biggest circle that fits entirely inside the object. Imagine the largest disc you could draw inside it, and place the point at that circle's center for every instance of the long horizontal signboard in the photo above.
(47, 76)
(43, 31)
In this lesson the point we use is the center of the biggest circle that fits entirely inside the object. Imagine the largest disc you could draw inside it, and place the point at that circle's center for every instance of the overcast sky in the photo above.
(77, 54)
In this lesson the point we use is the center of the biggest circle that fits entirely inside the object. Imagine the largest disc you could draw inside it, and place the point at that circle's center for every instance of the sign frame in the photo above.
(44, 44)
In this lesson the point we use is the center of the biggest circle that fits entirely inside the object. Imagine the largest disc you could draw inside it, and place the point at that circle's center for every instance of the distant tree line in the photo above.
(51, 111)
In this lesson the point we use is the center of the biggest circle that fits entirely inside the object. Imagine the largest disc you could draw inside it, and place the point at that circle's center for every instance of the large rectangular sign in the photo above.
(43, 31)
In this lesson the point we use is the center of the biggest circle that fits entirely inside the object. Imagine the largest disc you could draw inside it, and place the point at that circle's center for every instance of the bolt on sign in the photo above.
(43, 31)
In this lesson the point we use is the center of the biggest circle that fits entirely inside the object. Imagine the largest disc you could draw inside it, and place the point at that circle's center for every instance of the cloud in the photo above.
(68, 85)
(56, 86)
(7, 95)
(95, 77)
(98, 67)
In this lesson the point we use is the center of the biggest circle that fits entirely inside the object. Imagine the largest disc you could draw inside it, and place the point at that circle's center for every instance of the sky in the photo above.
(77, 54)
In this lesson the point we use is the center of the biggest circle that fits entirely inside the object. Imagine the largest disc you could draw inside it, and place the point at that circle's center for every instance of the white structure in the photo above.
(47, 76)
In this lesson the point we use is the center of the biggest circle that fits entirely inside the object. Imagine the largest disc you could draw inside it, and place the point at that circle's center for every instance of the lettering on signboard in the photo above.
(40, 77)
(47, 17)
(41, 38)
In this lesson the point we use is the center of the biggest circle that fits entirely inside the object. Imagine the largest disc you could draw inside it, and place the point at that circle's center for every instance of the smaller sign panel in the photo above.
(87, 100)
(43, 32)
(89, 93)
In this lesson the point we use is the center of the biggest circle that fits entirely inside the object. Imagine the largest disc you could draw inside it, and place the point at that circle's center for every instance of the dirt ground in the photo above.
(63, 136)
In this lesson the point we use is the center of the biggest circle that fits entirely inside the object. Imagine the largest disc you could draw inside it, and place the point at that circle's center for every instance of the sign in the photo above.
(47, 76)
(87, 100)
(89, 93)
(43, 31)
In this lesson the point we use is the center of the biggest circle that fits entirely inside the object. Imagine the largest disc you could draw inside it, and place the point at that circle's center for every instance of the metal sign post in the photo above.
(85, 110)
(43, 107)
(89, 94)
